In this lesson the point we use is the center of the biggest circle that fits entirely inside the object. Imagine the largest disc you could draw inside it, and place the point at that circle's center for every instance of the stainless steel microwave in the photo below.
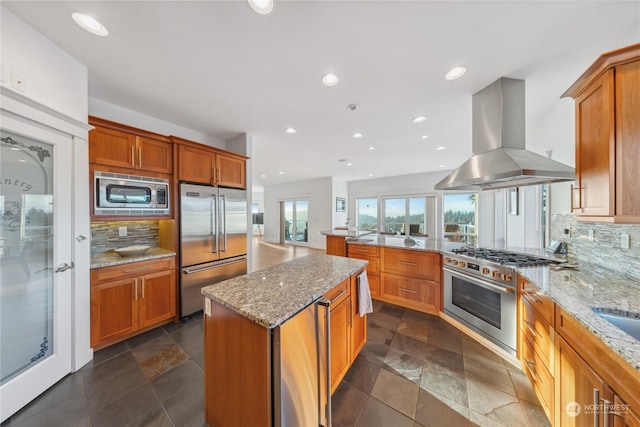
(118, 194)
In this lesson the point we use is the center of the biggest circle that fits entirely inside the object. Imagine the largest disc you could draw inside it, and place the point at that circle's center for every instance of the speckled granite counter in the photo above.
(401, 242)
(271, 296)
(110, 258)
(577, 291)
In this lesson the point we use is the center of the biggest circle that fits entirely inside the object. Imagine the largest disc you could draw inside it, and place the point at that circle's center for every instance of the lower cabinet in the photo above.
(127, 299)
(348, 328)
(372, 255)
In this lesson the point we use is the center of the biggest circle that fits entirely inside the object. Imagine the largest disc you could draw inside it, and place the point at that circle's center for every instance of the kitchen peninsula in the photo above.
(266, 346)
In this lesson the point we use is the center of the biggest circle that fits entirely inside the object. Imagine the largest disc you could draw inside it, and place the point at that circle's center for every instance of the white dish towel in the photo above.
(364, 295)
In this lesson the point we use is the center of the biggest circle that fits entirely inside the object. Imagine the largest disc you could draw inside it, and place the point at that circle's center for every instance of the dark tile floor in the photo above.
(415, 370)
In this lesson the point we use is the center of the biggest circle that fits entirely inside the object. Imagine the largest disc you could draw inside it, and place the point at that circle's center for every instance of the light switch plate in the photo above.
(122, 231)
(624, 241)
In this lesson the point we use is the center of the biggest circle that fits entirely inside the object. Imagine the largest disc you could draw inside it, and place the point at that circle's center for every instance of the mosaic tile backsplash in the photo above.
(104, 235)
(605, 250)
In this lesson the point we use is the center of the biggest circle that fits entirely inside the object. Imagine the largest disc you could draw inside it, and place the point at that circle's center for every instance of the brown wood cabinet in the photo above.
(336, 245)
(201, 164)
(115, 145)
(130, 298)
(607, 99)
(371, 254)
(411, 279)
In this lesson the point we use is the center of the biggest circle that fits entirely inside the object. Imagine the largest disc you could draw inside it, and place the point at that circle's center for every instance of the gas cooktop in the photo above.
(513, 259)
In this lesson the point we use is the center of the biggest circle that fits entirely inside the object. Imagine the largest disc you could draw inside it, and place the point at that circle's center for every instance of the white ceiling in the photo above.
(219, 68)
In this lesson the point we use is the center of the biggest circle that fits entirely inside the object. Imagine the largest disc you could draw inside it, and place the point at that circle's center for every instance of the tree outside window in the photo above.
(460, 217)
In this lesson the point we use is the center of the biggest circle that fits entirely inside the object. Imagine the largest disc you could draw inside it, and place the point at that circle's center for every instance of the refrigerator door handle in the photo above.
(214, 225)
(327, 335)
(209, 267)
(223, 222)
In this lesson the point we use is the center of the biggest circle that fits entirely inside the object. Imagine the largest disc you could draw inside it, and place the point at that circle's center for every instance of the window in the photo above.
(406, 214)
(367, 214)
(460, 217)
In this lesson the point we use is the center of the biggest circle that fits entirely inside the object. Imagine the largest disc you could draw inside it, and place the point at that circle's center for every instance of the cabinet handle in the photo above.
(596, 412)
(350, 313)
(135, 292)
(344, 291)
(140, 157)
(133, 156)
(532, 369)
(213, 175)
(411, 291)
(327, 354)
(136, 269)
(143, 288)
(407, 263)
(573, 190)
(531, 328)
(218, 174)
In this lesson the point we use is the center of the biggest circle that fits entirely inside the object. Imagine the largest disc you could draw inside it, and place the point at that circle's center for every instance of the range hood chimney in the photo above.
(499, 157)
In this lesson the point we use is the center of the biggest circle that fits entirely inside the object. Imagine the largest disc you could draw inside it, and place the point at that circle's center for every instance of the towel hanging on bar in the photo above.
(364, 295)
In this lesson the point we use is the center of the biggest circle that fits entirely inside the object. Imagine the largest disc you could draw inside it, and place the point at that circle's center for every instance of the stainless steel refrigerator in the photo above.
(213, 240)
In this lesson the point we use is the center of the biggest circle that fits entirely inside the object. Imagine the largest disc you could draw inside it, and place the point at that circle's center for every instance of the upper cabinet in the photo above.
(206, 165)
(119, 146)
(607, 99)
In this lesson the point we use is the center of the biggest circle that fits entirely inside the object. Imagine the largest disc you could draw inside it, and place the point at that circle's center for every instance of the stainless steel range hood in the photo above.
(499, 157)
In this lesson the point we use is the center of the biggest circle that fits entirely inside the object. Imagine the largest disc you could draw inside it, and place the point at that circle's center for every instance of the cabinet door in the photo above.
(358, 323)
(112, 148)
(230, 171)
(114, 310)
(418, 294)
(422, 265)
(576, 384)
(628, 139)
(153, 155)
(340, 336)
(336, 245)
(595, 149)
(195, 165)
(623, 415)
(157, 298)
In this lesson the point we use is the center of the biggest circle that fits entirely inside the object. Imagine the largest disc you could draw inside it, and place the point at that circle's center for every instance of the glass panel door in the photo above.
(295, 221)
(35, 302)
(288, 221)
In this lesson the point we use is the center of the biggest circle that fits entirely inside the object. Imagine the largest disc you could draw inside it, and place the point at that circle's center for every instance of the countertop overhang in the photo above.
(269, 297)
(110, 258)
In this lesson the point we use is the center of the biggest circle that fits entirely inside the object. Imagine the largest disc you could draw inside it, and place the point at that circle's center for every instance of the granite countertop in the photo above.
(110, 258)
(577, 291)
(391, 241)
(271, 296)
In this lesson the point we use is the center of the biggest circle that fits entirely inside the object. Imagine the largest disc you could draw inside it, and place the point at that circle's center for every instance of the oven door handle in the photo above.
(482, 284)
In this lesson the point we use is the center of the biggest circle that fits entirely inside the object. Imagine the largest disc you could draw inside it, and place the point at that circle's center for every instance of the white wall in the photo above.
(59, 82)
(319, 192)
(105, 110)
(340, 188)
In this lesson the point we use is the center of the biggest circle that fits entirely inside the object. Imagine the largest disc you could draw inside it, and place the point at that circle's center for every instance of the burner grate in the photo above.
(504, 257)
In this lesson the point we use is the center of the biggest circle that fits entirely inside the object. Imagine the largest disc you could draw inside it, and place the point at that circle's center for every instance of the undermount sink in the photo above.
(361, 240)
(628, 323)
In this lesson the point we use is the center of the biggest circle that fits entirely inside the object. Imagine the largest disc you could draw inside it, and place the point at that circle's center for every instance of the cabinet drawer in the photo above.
(539, 375)
(541, 302)
(424, 293)
(423, 265)
(338, 293)
(134, 269)
(374, 262)
(368, 250)
(538, 331)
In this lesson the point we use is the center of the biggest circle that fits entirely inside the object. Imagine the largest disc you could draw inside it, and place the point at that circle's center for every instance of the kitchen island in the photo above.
(266, 346)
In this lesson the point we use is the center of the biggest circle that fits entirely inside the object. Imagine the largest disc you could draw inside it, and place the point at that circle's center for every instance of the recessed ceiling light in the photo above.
(440, 148)
(424, 137)
(90, 24)
(263, 7)
(358, 135)
(442, 166)
(372, 148)
(290, 130)
(419, 119)
(349, 164)
(370, 174)
(330, 79)
(22, 160)
(281, 173)
(455, 73)
(263, 175)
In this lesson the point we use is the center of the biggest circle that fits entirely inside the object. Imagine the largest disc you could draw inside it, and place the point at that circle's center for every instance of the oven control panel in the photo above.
(480, 268)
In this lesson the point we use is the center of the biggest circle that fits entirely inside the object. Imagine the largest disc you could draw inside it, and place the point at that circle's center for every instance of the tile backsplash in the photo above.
(105, 235)
(605, 249)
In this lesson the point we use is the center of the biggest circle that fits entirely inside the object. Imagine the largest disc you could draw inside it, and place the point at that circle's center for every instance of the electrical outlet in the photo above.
(122, 231)
(591, 237)
(624, 241)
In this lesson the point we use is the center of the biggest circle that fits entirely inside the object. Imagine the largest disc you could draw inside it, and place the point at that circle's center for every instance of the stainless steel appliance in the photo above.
(499, 158)
(300, 352)
(119, 194)
(480, 291)
(213, 240)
